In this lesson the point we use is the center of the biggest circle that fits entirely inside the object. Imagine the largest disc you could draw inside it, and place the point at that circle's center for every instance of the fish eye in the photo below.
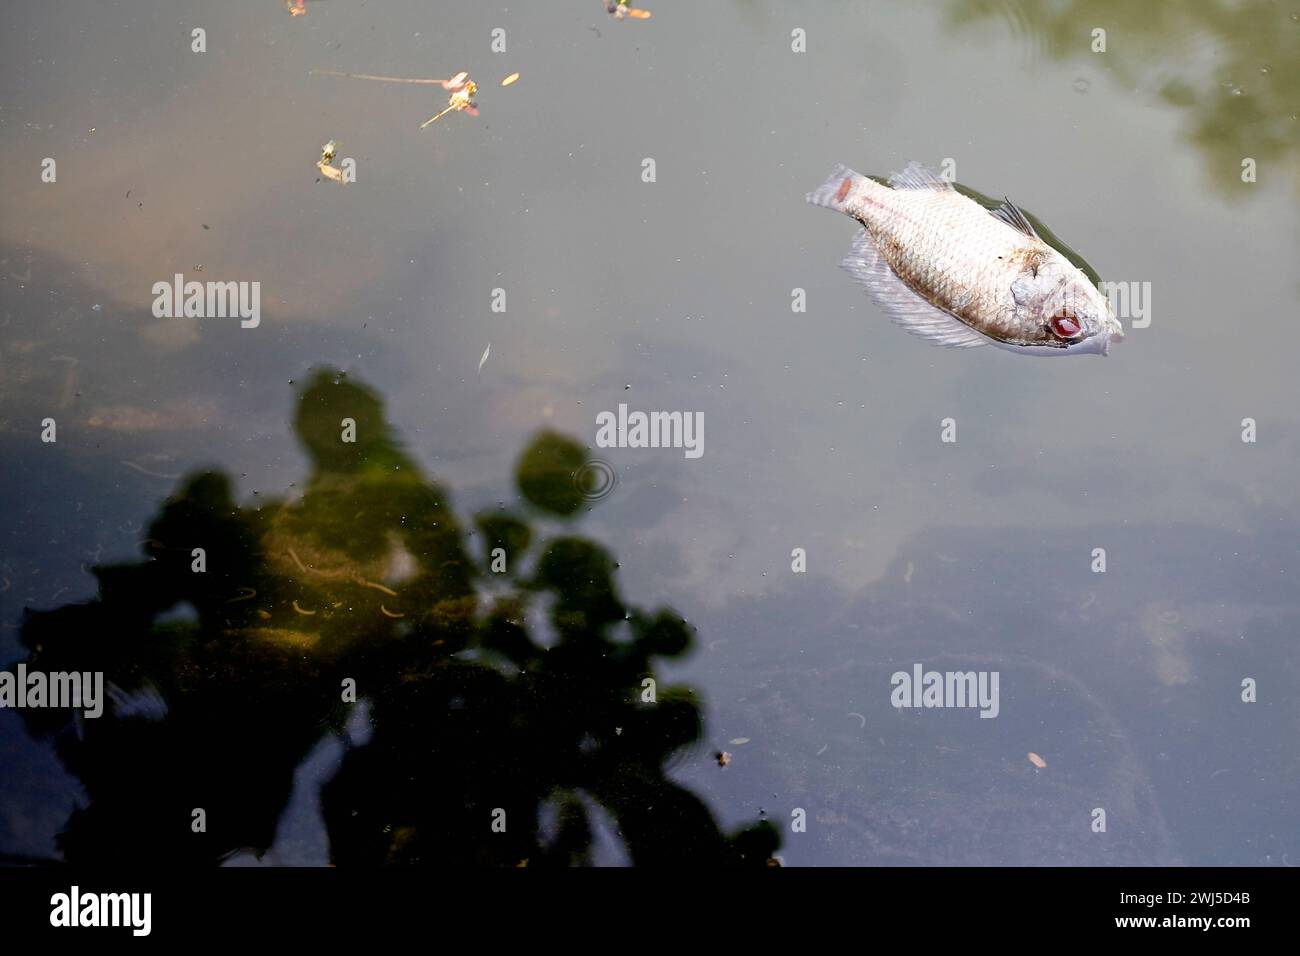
(1066, 325)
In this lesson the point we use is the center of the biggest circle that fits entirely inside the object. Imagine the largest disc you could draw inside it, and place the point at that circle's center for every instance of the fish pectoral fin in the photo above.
(1014, 218)
(918, 176)
(904, 307)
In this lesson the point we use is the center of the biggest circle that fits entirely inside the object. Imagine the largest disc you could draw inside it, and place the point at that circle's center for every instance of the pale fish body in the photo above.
(947, 269)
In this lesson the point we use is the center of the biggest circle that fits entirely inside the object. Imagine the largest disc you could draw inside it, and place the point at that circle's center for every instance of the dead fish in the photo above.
(945, 268)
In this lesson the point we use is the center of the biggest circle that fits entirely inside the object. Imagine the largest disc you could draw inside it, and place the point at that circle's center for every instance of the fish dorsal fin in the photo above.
(917, 176)
(1014, 218)
(907, 309)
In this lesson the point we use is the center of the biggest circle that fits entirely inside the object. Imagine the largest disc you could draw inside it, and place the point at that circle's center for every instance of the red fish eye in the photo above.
(1066, 326)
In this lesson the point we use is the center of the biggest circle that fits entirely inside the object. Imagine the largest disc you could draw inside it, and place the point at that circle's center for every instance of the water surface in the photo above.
(822, 427)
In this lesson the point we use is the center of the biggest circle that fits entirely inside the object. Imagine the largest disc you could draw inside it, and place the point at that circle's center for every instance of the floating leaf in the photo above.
(486, 352)
(510, 79)
(1038, 761)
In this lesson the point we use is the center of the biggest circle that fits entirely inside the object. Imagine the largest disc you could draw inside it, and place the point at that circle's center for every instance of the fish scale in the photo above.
(946, 245)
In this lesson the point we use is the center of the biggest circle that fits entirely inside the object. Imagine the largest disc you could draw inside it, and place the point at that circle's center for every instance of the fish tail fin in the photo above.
(836, 189)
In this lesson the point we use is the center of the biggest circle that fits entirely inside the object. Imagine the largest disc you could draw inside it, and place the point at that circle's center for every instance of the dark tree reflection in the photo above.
(367, 576)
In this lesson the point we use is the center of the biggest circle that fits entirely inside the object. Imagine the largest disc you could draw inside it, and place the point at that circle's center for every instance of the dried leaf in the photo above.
(1038, 761)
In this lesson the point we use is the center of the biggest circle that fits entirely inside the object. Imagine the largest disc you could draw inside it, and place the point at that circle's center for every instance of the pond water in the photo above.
(626, 225)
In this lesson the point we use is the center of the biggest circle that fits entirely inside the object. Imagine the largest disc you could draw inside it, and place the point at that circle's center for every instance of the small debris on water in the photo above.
(461, 99)
(1038, 761)
(329, 171)
(620, 9)
(722, 757)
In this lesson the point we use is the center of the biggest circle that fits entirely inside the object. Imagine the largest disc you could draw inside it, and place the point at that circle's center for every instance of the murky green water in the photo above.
(1169, 161)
